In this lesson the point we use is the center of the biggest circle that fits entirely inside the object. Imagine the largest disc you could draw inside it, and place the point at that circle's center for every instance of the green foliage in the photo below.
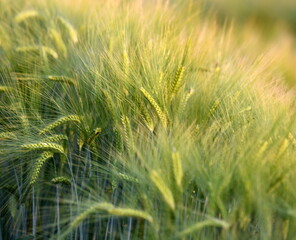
(142, 120)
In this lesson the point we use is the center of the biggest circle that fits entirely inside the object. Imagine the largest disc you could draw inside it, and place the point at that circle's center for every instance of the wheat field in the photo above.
(147, 119)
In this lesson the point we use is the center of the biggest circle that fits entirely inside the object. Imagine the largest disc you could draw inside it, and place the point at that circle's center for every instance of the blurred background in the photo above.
(268, 26)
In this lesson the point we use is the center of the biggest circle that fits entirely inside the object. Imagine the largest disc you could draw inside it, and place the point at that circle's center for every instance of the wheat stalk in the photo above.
(163, 188)
(62, 120)
(158, 110)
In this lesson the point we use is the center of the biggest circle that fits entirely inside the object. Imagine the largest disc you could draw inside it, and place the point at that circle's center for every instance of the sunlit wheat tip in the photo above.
(26, 15)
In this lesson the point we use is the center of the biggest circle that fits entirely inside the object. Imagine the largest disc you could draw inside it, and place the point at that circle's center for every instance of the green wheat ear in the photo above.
(61, 180)
(202, 224)
(128, 134)
(292, 139)
(163, 189)
(176, 84)
(112, 210)
(38, 165)
(177, 169)
(62, 120)
(102, 206)
(43, 146)
(129, 212)
(160, 113)
(56, 138)
(70, 29)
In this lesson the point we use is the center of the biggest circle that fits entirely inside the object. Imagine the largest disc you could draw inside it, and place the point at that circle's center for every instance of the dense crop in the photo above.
(143, 120)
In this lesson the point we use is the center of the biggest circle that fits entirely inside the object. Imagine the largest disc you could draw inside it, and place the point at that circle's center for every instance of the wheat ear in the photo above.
(128, 134)
(110, 209)
(206, 223)
(177, 168)
(64, 79)
(38, 165)
(56, 138)
(176, 84)
(44, 146)
(61, 180)
(157, 108)
(103, 206)
(70, 29)
(163, 189)
(23, 16)
(60, 121)
(129, 212)
(58, 41)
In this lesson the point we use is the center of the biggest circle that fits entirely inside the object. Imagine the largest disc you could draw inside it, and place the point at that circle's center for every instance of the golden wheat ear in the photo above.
(26, 15)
